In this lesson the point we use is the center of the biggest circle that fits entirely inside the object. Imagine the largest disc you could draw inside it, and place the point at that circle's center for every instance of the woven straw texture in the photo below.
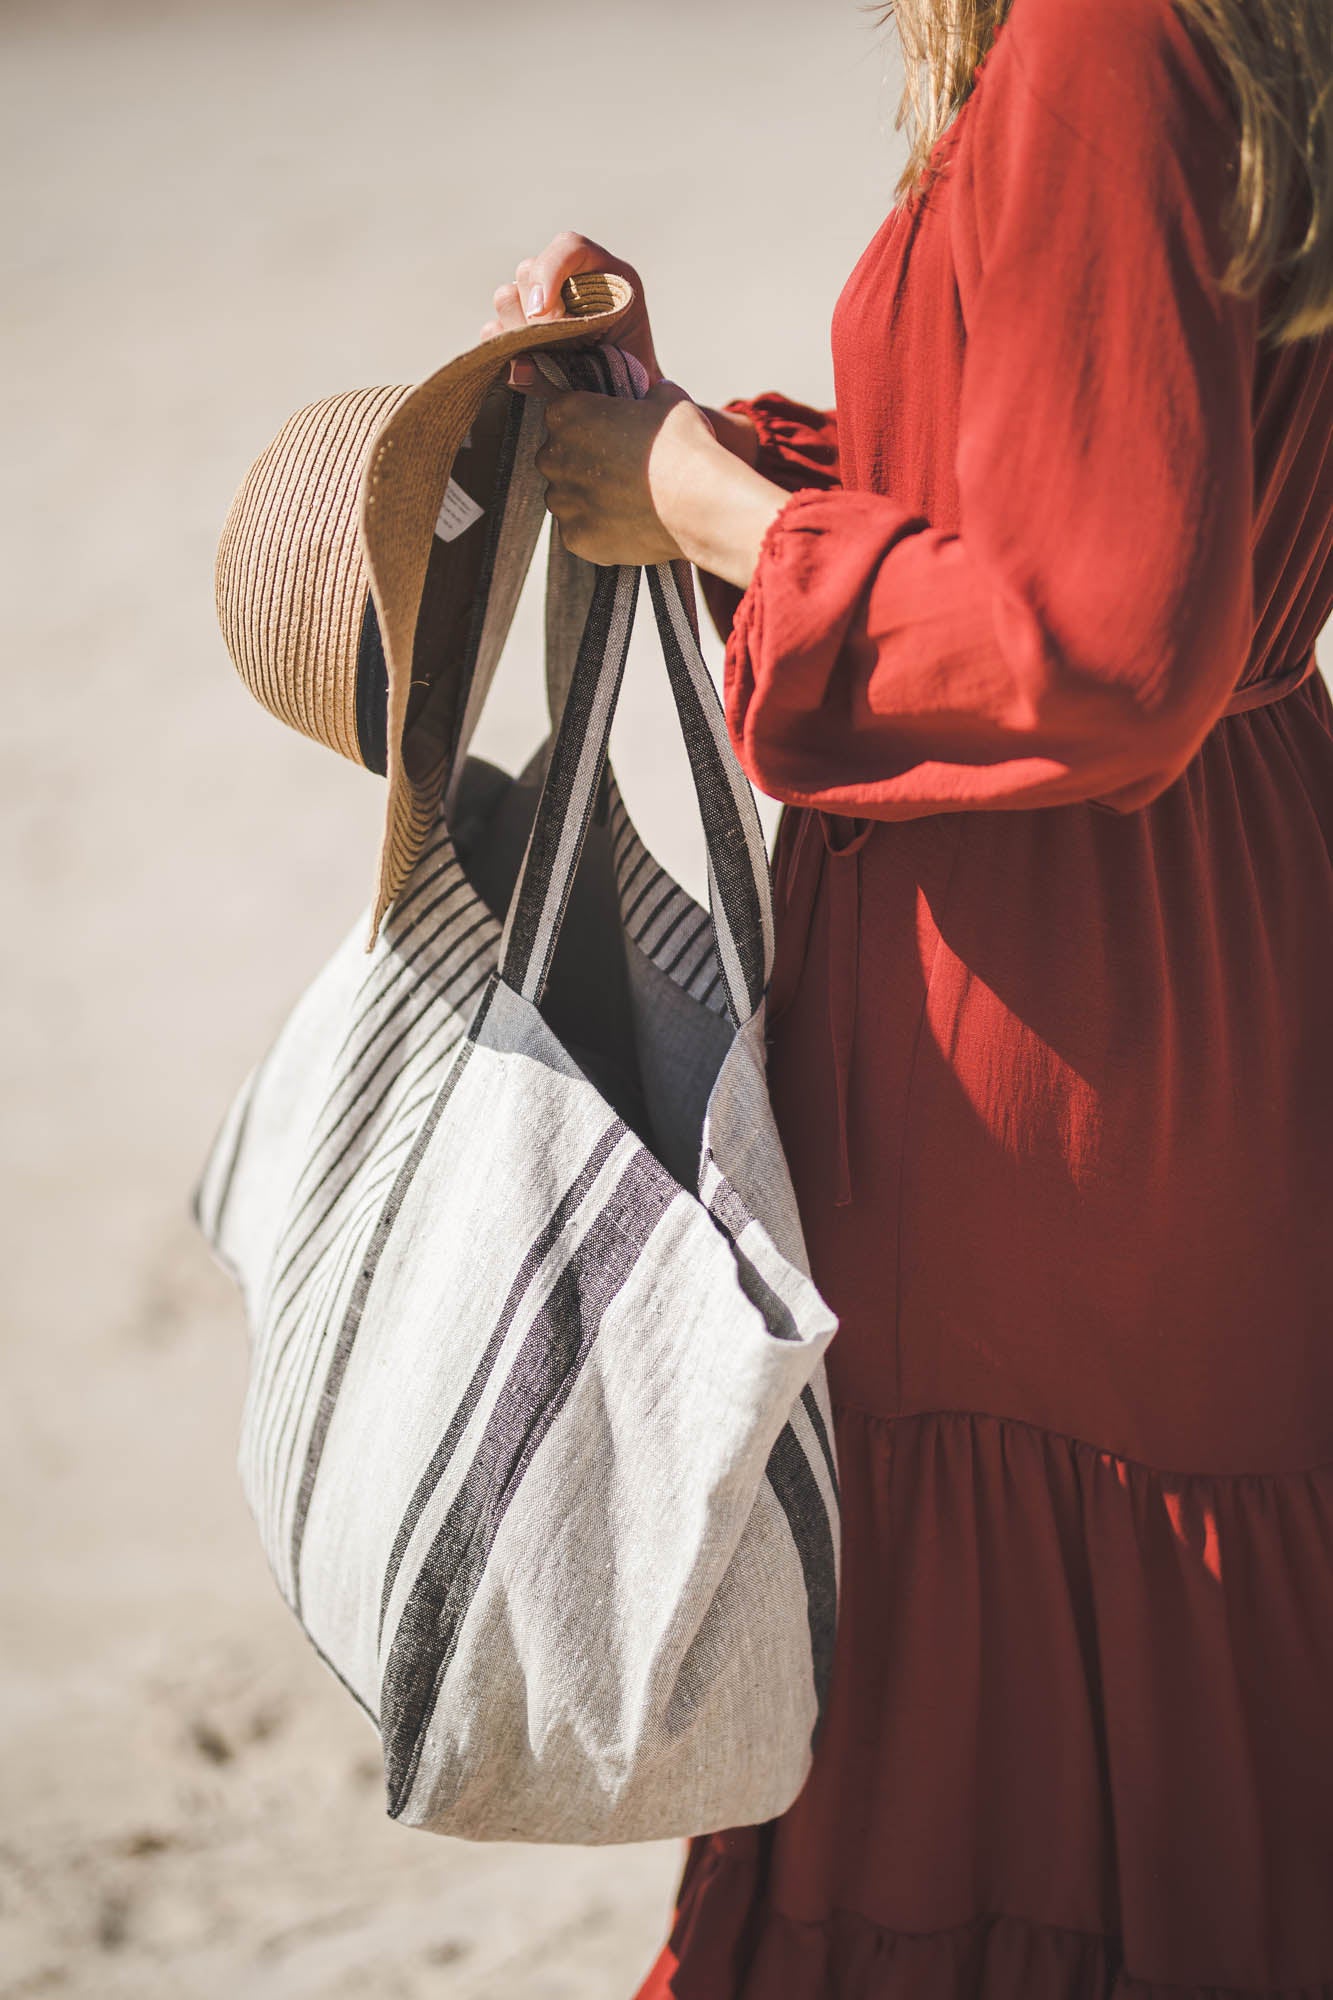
(345, 502)
(291, 576)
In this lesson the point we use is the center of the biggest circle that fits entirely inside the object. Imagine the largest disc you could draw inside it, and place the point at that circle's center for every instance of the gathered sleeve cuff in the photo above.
(798, 446)
(1084, 628)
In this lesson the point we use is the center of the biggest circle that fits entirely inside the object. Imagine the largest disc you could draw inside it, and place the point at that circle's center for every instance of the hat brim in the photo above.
(406, 477)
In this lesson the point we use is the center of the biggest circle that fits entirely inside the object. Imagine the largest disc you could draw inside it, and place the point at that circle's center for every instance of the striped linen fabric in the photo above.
(536, 1434)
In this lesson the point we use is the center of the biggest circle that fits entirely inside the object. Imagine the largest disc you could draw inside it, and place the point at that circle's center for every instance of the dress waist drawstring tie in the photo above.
(837, 845)
(843, 859)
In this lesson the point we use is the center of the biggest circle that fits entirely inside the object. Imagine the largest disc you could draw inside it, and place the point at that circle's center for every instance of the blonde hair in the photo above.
(1277, 56)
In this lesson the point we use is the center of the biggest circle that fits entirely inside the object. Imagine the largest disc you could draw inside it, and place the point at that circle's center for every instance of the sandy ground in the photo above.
(212, 215)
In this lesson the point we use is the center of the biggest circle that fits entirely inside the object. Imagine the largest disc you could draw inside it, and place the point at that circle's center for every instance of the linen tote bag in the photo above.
(536, 1433)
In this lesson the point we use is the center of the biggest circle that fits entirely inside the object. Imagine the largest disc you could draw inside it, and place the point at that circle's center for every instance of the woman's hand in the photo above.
(534, 295)
(636, 482)
(613, 467)
(647, 481)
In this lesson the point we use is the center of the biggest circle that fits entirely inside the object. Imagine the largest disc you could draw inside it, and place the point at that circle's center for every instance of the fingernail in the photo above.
(536, 301)
(522, 374)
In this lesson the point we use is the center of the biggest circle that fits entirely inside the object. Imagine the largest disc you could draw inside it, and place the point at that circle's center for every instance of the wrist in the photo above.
(736, 432)
(714, 506)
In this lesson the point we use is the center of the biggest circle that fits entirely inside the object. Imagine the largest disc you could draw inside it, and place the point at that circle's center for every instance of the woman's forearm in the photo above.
(737, 433)
(710, 499)
(648, 480)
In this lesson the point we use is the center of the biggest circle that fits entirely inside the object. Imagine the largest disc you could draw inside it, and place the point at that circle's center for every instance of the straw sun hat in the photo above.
(345, 572)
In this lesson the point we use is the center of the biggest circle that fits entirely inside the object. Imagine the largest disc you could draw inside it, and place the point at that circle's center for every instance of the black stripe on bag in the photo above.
(555, 806)
(356, 1305)
(537, 1255)
(683, 910)
(693, 939)
(283, 1291)
(436, 865)
(413, 968)
(437, 879)
(320, 1282)
(820, 1429)
(789, 1470)
(777, 1317)
(380, 1046)
(733, 1218)
(384, 1036)
(728, 847)
(797, 1490)
(423, 970)
(539, 1383)
(638, 918)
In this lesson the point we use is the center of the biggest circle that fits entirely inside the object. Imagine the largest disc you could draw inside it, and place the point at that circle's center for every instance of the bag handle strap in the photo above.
(569, 587)
(521, 504)
(739, 891)
(513, 532)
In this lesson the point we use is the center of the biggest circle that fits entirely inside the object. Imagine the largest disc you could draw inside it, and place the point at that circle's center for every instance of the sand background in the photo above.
(212, 215)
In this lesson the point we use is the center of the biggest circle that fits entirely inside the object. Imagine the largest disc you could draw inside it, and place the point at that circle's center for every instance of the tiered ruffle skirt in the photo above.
(1079, 1744)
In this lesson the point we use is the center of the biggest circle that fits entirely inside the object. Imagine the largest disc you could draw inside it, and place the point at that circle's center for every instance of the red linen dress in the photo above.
(1052, 1053)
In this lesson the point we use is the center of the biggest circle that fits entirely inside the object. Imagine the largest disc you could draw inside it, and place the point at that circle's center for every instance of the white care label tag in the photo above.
(459, 511)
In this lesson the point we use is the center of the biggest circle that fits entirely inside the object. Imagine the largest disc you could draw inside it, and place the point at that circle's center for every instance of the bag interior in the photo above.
(593, 1006)
(452, 601)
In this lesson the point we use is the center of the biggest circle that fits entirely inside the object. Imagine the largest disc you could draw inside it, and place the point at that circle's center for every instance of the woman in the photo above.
(1023, 637)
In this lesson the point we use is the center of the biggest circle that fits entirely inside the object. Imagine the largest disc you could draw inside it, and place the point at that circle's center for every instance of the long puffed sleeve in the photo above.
(1080, 633)
(797, 447)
